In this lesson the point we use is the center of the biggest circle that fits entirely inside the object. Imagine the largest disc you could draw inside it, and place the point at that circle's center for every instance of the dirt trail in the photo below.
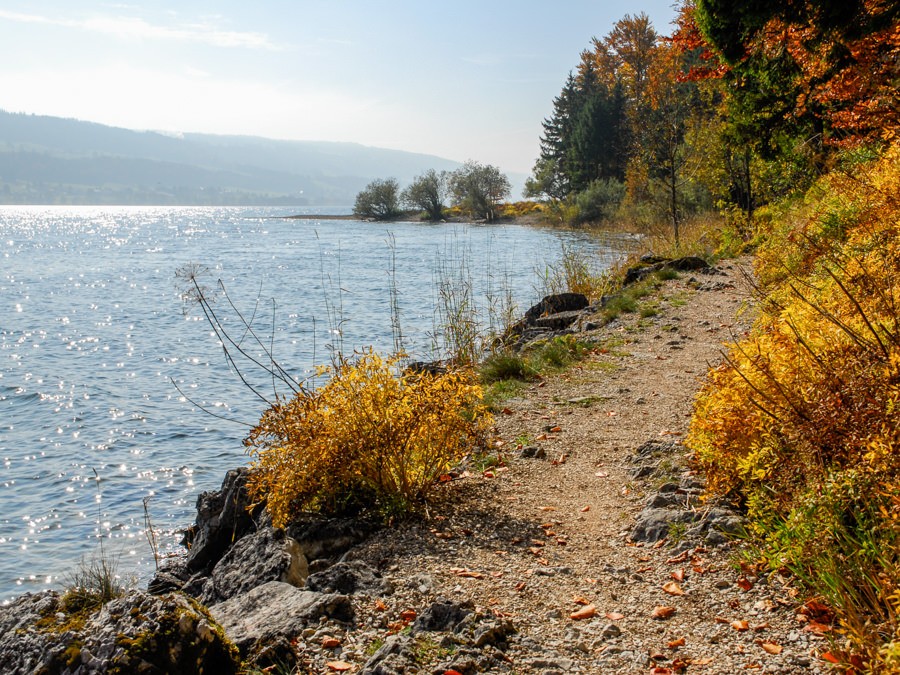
(536, 540)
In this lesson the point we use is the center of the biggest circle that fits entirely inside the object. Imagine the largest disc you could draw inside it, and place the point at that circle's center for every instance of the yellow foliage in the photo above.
(801, 423)
(369, 439)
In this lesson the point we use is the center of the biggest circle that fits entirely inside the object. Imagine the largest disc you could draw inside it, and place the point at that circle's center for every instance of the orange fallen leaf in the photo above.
(452, 672)
(740, 625)
(678, 575)
(662, 612)
(705, 661)
(560, 541)
(831, 658)
(546, 508)
(467, 573)
(672, 588)
(817, 628)
(675, 644)
(681, 557)
(507, 411)
(585, 509)
(580, 600)
(614, 616)
(771, 647)
(661, 670)
(380, 606)
(520, 586)
(585, 612)
(330, 643)
(744, 584)
(542, 437)
(339, 666)
(488, 474)
(554, 430)
(408, 615)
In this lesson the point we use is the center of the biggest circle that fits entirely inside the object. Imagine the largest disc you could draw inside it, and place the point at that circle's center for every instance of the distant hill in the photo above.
(50, 160)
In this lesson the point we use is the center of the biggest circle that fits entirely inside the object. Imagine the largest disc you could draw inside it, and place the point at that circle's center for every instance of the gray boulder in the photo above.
(348, 578)
(277, 610)
(222, 518)
(257, 558)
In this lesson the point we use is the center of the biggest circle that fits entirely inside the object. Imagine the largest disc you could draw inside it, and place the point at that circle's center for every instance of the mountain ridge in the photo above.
(56, 160)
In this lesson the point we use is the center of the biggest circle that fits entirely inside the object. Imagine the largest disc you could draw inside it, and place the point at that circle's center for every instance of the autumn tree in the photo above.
(834, 66)
(479, 189)
(380, 200)
(427, 192)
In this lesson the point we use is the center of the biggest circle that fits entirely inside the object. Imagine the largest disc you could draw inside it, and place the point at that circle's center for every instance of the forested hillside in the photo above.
(47, 160)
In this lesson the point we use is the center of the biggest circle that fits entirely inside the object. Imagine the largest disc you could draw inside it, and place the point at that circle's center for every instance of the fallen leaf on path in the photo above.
(542, 437)
(546, 508)
(507, 411)
(408, 615)
(705, 661)
(520, 586)
(585, 612)
(380, 606)
(662, 612)
(339, 666)
(585, 508)
(771, 647)
(740, 625)
(675, 644)
(678, 575)
(488, 474)
(831, 658)
(580, 600)
(817, 628)
(452, 672)
(744, 583)
(465, 572)
(554, 430)
(614, 616)
(672, 588)
(681, 557)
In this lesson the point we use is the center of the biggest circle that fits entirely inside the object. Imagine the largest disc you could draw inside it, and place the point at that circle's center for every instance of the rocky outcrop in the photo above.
(651, 264)
(552, 314)
(137, 633)
(223, 517)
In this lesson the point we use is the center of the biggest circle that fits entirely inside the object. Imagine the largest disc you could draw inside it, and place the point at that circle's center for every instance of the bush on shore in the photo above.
(369, 440)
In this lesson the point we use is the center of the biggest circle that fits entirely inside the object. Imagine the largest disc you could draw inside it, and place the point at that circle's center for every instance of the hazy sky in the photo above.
(460, 79)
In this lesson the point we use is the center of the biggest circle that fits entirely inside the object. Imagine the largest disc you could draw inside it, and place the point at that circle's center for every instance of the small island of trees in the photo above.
(475, 190)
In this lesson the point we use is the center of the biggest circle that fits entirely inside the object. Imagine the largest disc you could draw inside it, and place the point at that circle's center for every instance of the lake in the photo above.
(105, 367)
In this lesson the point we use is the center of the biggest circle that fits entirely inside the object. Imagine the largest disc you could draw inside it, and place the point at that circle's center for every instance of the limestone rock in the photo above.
(348, 578)
(277, 610)
(260, 557)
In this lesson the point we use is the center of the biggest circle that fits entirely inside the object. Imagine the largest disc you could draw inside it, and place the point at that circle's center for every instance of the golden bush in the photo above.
(370, 439)
(801, 424)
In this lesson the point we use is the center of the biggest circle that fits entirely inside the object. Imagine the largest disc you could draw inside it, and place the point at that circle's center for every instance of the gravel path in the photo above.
(540, 549)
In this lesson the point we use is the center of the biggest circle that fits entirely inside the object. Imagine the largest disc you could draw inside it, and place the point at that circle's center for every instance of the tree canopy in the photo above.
(379, 200)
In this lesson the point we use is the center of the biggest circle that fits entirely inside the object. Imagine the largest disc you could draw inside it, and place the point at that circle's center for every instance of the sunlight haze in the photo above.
(459, 80)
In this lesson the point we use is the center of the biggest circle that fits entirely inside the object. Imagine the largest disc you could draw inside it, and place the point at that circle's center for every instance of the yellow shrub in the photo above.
(801, 424)
(369, 439)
